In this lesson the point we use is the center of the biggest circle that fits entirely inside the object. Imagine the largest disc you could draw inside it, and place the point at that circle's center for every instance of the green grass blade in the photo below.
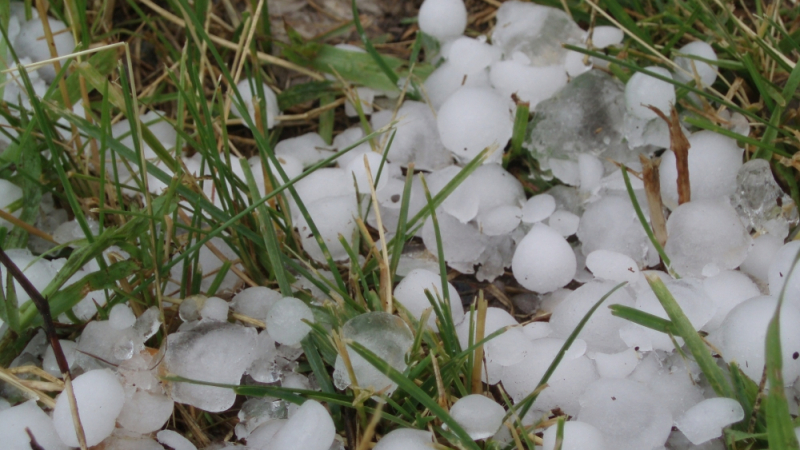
(390, 74)
(644, 319)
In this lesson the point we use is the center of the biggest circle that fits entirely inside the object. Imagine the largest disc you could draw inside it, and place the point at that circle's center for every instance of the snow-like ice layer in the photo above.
(121, 317)
(443, 19)
(14, 422)
(286, 321)
(480, 416)
(543, 260)
(405, 439)
(143, 411)
(706, 236)
(705, 420)
(627, 414)
(410, 292)
(744, 332)
(308, 148)
(383, 334)
(310, 428)
(218, 352)
(31, 43)
(601, 332)
(249, 93)
(530, 84)
(706, 72)
(255, 301)
(577, 436)
(714, 161)
(473, 119)
(643, 90)
(100, 398)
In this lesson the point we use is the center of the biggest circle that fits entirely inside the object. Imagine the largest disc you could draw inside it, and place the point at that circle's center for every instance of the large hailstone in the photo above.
(100, 398)
(577, 436)
(543, 261)
(410, 292)
(473, 119)
(309, 428)
(286, 321)
(706, 72)
(480, 416)
(643, 90)
(443, 19)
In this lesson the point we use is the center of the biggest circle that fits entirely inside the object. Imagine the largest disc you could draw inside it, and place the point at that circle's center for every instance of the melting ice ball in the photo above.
(577, 436)
(443, 19)
(543, 261)
(473, 119)
(405, 439)
(310, 428)
(16, 420)
(100, 398)
(285, 321)
(385, 335)
(480, 416)
(705, 420)
(410, 292)
(706, 72)
(643, 90)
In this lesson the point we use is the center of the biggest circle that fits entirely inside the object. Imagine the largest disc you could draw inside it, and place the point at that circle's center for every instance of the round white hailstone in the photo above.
(249, 93)
(564, 222)
(744, 332)
(565, 386)
(405, 439)
(611, 224)
(469, 55)
(121, 317)
(591, 172)
(714, 162)
(145, 412)
(175, 440)
(705, 420)
(577, 436)
(707, 72)
(692, 299)
(761, 255)
(608, 265)
(538, 208)
(255, 301)
(15, 420)
(781, 270)
(285, 321)
(333, 217)
(537, 330)
(308, 148)
(543, 260)
(601, 332)
(531, 84)
(606, 36)
(616, 365)
(706, 236)
(100, 398)
(643, 90)
(263, 434)
(214, 308)
(310, 428)
(358, 168)
(410, 292)
(443, 19)
(11, 193)
(485, 189)
(727, 289)
(627, 413)
(446, 80)
(473, 119)
(507, 348)
(416, 138)
(478, 415)
(322, 183)
(30, 43)
(501, 220)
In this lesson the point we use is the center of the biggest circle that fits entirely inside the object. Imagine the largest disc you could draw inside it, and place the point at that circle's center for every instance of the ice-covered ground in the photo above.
(623, 386)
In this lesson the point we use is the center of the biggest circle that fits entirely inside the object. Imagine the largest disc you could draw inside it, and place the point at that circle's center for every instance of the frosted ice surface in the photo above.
(727, 289)
(760, 202)
(30, 43)
(100, 398)
(285, 320)
(643, 90)
(322, 183)
(334, 217)
(780, 272)
(577, 436)
(611, 224)
(38, 271)
(501, 220)
(462, 242)
(538, 208)
(416, 138)
(706, 72)
(714, 161)
(49, 363)
(214, 308)
(616, 365)
(218, 352)
(584, 117)
(590, 169)
(538, 32)
(543, 260)
(310, 428)
(761, 255)
(744, 331)
(537, 330)
(175, 440)
(690, 296)
(446, 80)
(385, 335)
(480, 416)
(15, 420)
(121, 317)
(143, 411)
(706, 236)
(107, 344)
(505, 349)
(530, 84)
(358, 168)
(405, 439)
(705, 420)
(601, 331)
(443, 19)
(255, 301)
(487, 188)
(628, 415)
(410, 292)
(262, 436)
(613, 266)
(249, 93)
(308, 148)
(573, 374)
(470, 55)
(606, 36)
(669, 381)
(473, 119)
(258, 411)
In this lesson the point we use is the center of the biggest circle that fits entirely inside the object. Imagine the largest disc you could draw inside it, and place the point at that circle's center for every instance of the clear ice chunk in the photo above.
(760, 202)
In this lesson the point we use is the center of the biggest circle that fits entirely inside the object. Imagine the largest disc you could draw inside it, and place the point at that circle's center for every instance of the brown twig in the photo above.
(679, 145)
(652, 187)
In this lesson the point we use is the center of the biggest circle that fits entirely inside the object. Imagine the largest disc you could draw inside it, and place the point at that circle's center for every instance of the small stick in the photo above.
(679, 145)
(652, 187)
(480, 331)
